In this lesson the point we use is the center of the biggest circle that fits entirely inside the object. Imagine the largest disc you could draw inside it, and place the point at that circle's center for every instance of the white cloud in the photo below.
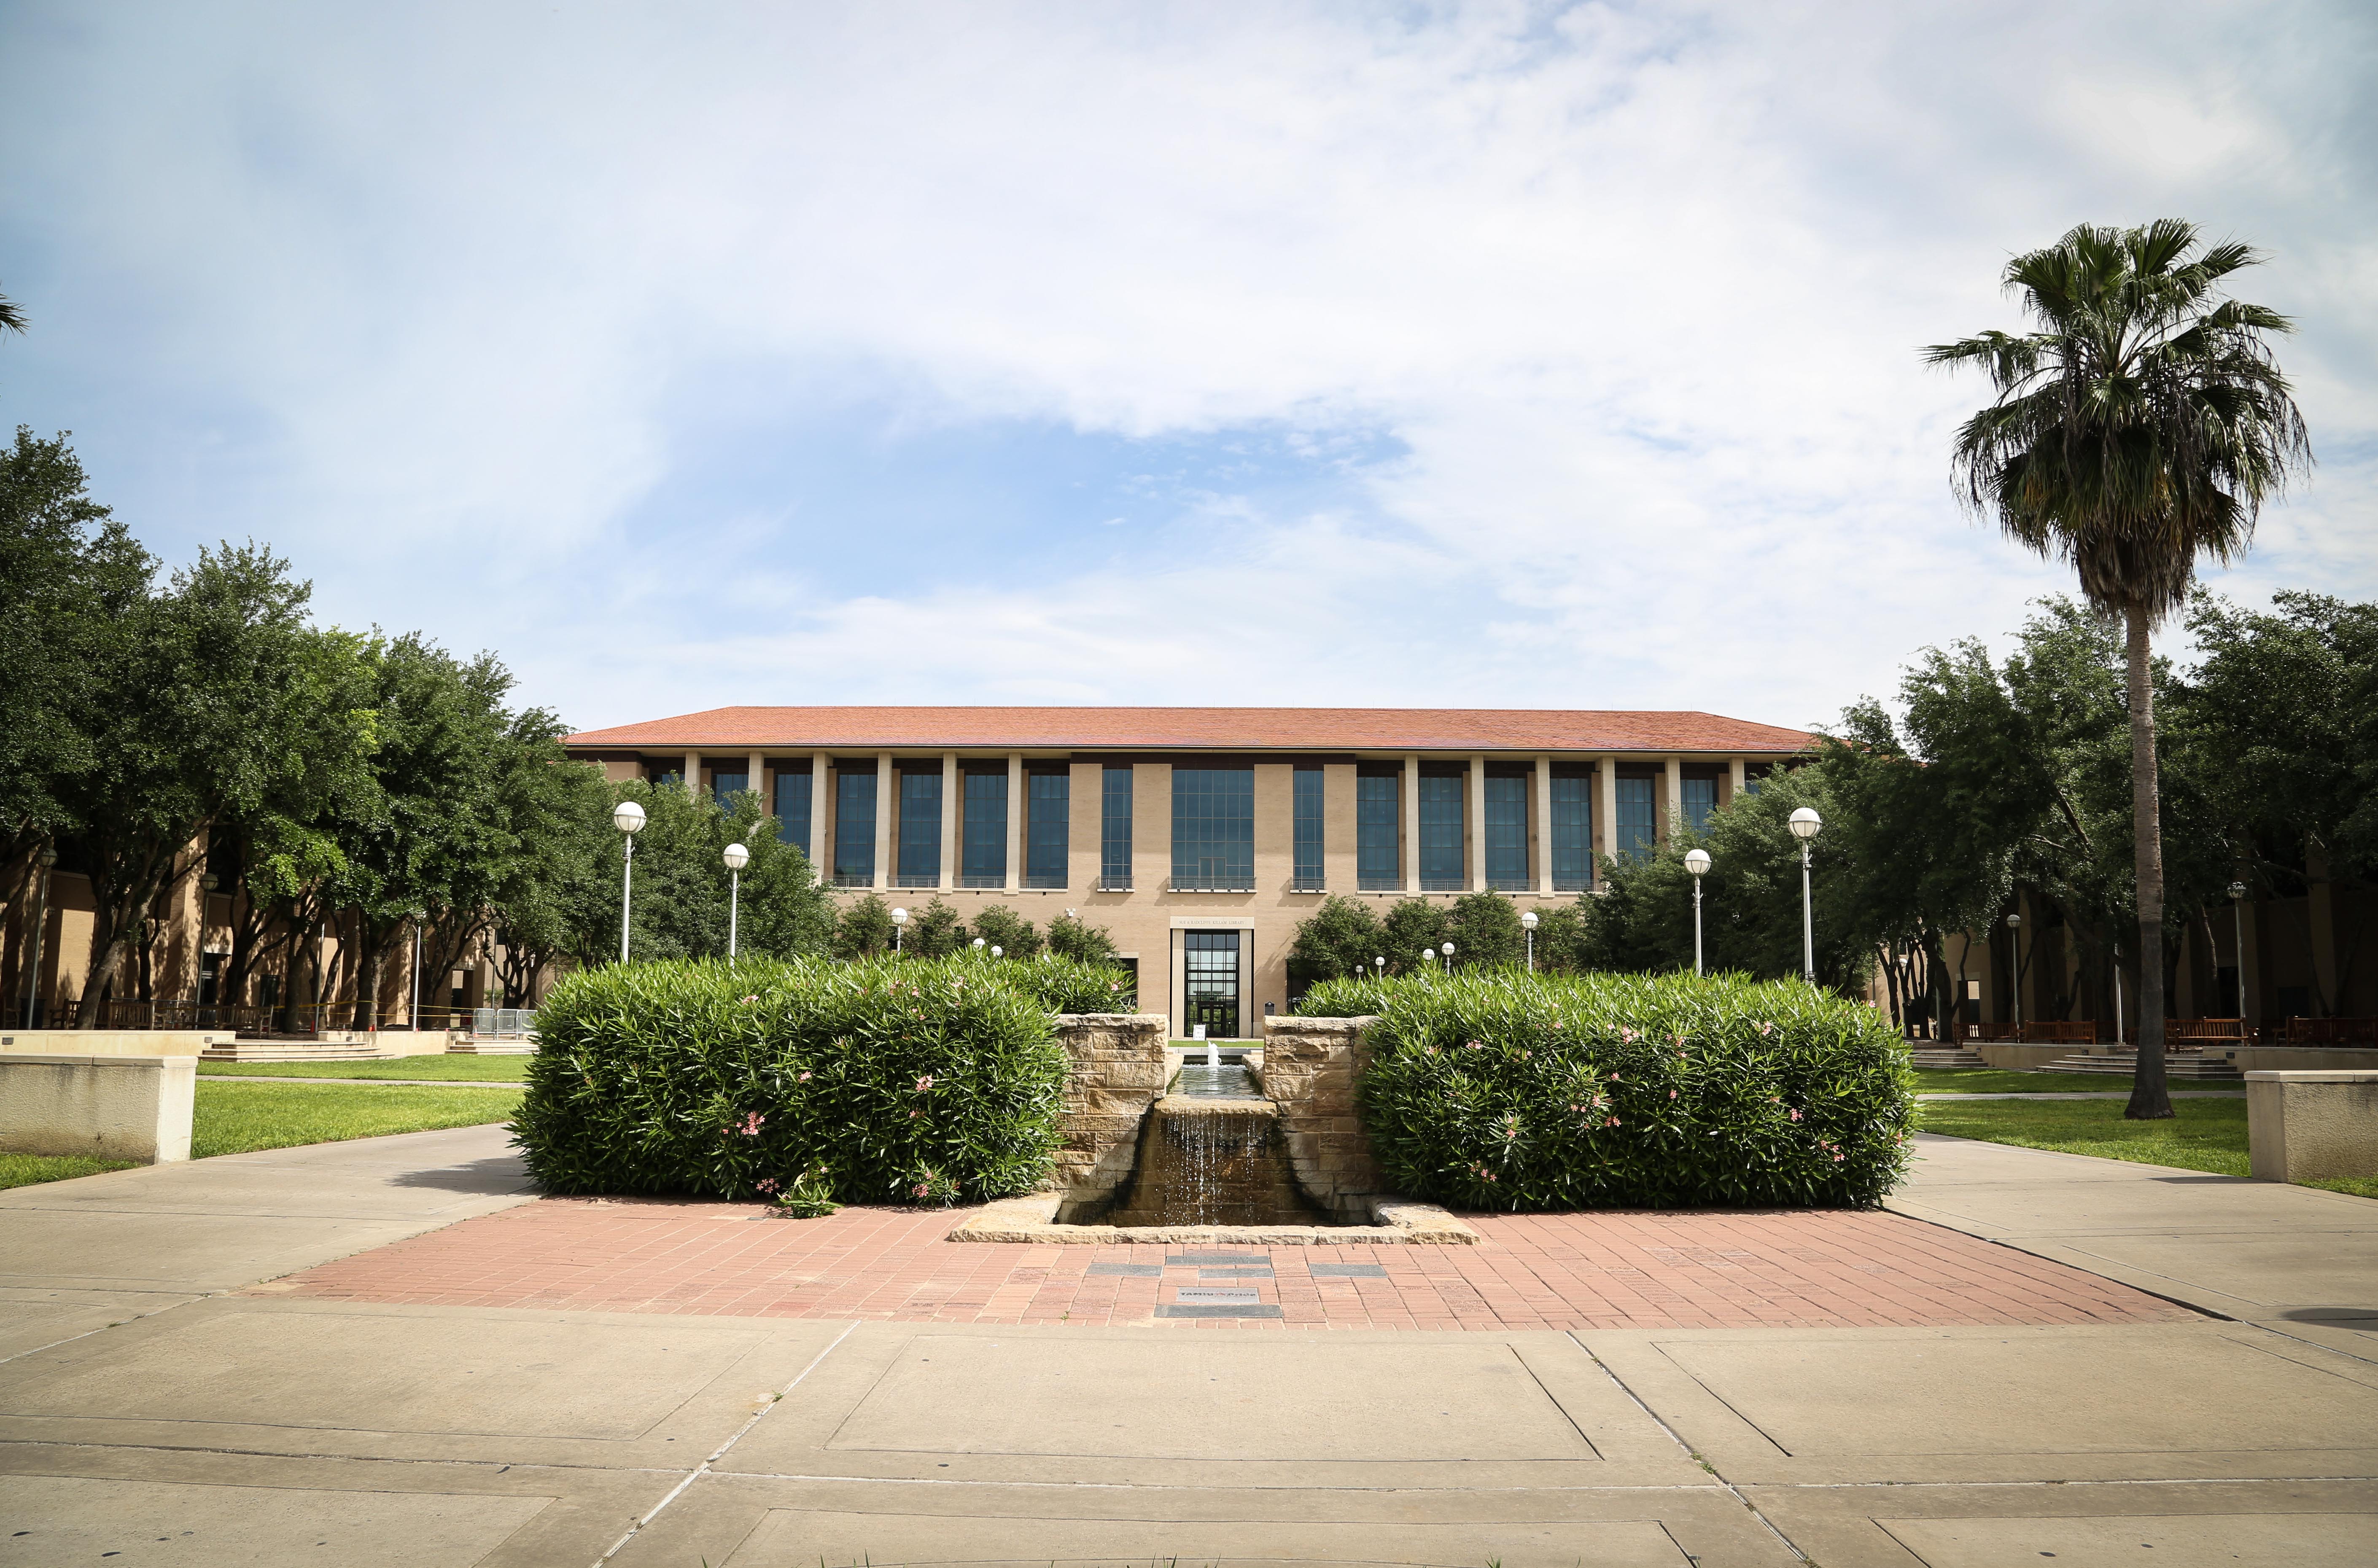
(1636, 290)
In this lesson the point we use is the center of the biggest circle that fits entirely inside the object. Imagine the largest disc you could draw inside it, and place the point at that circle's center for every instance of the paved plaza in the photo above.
(388, 1353)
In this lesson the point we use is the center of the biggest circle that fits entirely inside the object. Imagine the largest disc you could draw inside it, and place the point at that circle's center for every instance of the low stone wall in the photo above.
(118, 1106)
(1115, 1070)
(2012, 1057)
(111, 1042)
(2308, 1126)
(1310, 1066)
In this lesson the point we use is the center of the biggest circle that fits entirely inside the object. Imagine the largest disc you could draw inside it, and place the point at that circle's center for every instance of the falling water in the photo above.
(1209, 1159)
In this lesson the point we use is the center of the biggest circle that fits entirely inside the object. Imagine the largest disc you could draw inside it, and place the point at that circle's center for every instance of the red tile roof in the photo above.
(1189, 729)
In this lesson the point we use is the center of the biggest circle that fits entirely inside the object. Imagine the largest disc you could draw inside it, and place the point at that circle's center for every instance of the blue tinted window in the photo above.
(1047, 820)
(793, 808)
(854, 829)
(725, 786)
(1699, 800)
(1572, 830)
(1375, 832)
(1114, 829)
(1308, 813)
(985, 861)
(1636, 823)
(920, 830)
(1214, 828)
(1440, 834)
(1507, 832)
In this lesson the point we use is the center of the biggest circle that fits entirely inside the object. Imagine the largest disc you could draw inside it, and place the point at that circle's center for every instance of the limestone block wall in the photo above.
(1115, 1070)
(1310, 1068)
(113, 1106)
(2309, 1126)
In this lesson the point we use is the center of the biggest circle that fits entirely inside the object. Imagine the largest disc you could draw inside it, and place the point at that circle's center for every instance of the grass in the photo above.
(1991, 1081)
(460, 1069)
(27, 1170)
(234, 1118)
(2208, 1135)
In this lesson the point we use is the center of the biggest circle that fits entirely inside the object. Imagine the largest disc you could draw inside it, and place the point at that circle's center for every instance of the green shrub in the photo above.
(1068, 985)
(883, 1080)
(1502, 1090)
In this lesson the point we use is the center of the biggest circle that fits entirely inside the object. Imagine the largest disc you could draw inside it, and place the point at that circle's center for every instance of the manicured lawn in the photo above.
(2206, 1134)
(25, 1170)
(460, 1069)
(1991, 1081)
(233, 1118)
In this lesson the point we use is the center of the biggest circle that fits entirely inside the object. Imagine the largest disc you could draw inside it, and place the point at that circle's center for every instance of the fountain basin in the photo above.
(1395, 1221)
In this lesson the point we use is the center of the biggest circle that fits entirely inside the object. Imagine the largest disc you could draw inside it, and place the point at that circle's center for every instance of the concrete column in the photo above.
(819, 807)
(693, 773)
(1338, 861)
(1084, 826)
(1605, 809)
(1540, 826)
(1409, 830)
(950, 793)
(1015, 821)
(755, 775)
(1671, 816)
(887, 805)
(1473, 825)
(1735, 781)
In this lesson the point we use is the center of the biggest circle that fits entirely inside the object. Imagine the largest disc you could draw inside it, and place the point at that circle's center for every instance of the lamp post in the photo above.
(978, 947)
(1697, 861)
(1448, 958)
(417, 915)
(1806, 825)
(2014, 940)
(1381, 966)
(2238, 925)
(629, 818)
(2118, 994)
(737, 858)
(998, 952)
(899, 924)
(1528, 924)
(46, 860)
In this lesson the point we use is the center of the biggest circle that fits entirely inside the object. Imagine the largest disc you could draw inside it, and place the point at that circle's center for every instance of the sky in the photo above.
(1484, 355)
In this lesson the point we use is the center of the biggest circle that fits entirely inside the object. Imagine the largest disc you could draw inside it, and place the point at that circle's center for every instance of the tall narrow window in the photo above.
(1636, 828)
(1308, 867)
(1700, 800)
(854, 827)
(1572, 830)
(725, 786)
(1440, 832)
(793, 807)
(1213, 829)
(1507, 832)
(985, 861)
(920, 830)
(1048, 839)
(1374, 832)
(1114, 830)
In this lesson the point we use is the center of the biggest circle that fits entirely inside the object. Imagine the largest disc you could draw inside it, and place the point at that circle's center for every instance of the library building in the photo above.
(1200, 837)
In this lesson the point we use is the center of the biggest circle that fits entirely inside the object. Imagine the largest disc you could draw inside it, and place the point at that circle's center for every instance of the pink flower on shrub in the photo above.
(750, 1128)
(1839, 1157)
(1795, 1116)
(914, 1113)
(925, 1082)
(765, 1184)
(1672, 1094)
(1488, 1174)
(1611, 1122)
(1629, 1035)
(1767, 1028)
(1477, 1044)
(749, 1000)
(802, 1079)
(922, 1189)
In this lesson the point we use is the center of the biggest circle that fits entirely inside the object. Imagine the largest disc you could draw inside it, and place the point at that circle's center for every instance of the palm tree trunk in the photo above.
(2150, 1094)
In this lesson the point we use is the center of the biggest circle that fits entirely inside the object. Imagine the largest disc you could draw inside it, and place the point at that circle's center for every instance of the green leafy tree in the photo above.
(2140, 424)
(863, 930)
(1071, 936)
(1001, 928)
(1412, 925)
(1337, 939)
(680, 903)
(935, 931)
(1486, 929)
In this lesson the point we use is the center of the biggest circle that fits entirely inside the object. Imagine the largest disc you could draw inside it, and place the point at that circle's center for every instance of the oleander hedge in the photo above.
(883, 1080)
(1502, 1090)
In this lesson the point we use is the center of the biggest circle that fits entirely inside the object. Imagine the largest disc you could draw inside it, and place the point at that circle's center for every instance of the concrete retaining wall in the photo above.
(1310, 1066)
(1115, 1070)
(119, 1106)
(111, 1042)
(2306, 1126)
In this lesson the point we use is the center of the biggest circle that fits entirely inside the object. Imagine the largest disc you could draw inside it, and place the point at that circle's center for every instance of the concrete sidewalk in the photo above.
(265, 1427)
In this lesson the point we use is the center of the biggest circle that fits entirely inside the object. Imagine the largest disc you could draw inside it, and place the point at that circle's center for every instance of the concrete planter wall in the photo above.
(2308, 1126)
(1116, 1069)
(1311, 1068)
(106, 1106)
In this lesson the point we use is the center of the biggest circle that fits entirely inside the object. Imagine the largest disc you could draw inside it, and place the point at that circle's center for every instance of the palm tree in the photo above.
(12, 315)
(2139, 425)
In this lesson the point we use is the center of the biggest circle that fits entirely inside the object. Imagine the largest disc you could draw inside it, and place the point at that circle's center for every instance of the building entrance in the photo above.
(1210, 976)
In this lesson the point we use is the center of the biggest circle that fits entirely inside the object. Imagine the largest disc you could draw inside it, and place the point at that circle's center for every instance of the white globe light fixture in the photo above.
(1528, 924)
(899, 924)
(1697, 861)
(998, 952)
(1806, 825)
(737, 858)
(629, 818)
(418, 916)
(2014, 936)
(1381, 966)
(978, 944)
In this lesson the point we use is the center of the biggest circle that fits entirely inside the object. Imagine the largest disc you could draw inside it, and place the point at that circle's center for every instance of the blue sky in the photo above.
(1492, 355)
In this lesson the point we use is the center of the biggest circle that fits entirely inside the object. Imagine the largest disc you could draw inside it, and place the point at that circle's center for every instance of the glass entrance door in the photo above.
(1211, 980)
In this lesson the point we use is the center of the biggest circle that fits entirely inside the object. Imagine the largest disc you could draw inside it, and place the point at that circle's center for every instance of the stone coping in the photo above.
(149, 1063)
(2314, 1075)
(1401, 1222)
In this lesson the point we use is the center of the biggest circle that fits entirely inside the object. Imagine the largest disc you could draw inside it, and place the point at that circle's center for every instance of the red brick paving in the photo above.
(1702, 1269)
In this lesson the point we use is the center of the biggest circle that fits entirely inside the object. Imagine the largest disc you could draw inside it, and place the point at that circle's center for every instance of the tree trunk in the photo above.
(2150, 1094)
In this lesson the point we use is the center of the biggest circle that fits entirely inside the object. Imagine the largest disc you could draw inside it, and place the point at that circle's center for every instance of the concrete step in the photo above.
(1947, 1056)
(2123, 1064)
(492, 1047)
(263, 1050)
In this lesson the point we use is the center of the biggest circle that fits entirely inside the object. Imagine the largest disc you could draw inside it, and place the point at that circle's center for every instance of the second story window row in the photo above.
(1308, 872)
(1213, 829)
